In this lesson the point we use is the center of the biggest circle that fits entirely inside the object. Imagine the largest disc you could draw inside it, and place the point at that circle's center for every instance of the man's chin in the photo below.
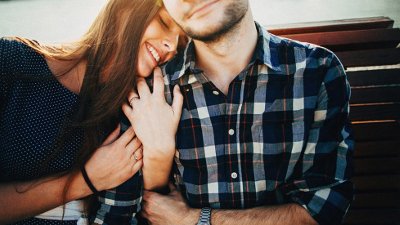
(207, 35)
(213, 33)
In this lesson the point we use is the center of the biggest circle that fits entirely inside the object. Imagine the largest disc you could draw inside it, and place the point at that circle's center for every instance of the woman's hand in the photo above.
(116, 160)
(155, 123)
(153, 119)
(112, 164)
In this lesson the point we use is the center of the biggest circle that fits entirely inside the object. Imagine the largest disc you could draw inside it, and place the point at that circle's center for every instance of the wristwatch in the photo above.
(205, 216)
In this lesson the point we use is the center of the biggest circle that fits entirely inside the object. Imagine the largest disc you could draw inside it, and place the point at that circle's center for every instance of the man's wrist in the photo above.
(192, 216)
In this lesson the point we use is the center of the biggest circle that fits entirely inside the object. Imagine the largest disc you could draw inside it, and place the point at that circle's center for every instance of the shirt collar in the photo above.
(266, 52)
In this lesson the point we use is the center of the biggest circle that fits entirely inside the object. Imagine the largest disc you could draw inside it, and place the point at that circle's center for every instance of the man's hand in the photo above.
(172, 209)
(168, 209)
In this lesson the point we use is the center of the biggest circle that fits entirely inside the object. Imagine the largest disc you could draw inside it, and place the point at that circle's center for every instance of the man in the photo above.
(264, 126)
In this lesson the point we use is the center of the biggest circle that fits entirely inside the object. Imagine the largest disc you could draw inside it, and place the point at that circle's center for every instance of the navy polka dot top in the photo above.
(34, 106)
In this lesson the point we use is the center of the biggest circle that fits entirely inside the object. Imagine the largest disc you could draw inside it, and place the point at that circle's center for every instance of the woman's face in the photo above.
(159, 43)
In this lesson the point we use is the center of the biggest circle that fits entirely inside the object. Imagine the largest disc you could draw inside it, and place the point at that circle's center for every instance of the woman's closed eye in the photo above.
(163, 23)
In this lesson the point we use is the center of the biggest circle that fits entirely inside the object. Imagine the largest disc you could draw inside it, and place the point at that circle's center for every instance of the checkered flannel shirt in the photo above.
(280, 135)
(119, 206)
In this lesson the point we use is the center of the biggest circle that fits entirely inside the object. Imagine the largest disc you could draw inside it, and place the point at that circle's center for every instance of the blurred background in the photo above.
(56, 21)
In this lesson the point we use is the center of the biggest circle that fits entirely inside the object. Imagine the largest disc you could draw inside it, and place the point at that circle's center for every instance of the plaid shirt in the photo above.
(119, 205)
(280, 135)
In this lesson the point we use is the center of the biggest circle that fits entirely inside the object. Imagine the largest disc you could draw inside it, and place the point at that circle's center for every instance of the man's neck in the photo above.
(223, 59)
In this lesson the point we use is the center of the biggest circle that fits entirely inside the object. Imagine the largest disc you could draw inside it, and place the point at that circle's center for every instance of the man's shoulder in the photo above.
(287, 47)
(292, 55)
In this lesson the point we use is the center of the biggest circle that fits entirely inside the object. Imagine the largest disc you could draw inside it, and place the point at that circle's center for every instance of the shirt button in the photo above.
(234, 175)
(231, 132)
(215, 92)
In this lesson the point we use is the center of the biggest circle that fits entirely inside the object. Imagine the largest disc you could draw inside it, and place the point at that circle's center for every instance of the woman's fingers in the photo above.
(126, 137)
(127, 111)
(177, 103)
(137, 154)
(114, 163)
(158, 83)
(133, 145)
(143, 88)
(133, 96)
(137, 166)
(113, 136)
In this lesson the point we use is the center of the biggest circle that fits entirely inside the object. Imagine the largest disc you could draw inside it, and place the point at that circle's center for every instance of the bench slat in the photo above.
(333, 25)
(374, 77)
(373, 217)
(377, 149)
(375, 108)
(352, 40)
(387, 182)
(376, 200)
(380, 111)
(373, 57)
(375, 95)
(380, 131)
(368, 166)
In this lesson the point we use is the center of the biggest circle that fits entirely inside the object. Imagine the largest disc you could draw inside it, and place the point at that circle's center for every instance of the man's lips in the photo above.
(201, 8)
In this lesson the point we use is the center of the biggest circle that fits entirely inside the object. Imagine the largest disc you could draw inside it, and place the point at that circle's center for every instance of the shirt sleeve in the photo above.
(120, 205)
(2, 81)
(4, 52)
(13, 53)
(322, 185)
(9, 55)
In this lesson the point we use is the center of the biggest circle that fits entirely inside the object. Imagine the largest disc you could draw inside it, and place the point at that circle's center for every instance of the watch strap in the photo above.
(205, 216)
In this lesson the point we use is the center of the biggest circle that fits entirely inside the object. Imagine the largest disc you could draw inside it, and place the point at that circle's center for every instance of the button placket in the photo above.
(234, 175)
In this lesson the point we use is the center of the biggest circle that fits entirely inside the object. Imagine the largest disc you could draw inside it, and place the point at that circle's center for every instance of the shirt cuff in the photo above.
(328, 205)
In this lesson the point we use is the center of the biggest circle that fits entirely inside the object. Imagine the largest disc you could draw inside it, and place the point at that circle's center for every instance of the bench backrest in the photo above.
(369, 50)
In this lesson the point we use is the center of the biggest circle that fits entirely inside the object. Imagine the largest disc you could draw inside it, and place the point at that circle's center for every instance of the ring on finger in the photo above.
(136, 156)
(132, 99)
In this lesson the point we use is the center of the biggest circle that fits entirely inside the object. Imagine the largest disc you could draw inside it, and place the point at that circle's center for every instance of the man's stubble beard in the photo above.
(233, 15)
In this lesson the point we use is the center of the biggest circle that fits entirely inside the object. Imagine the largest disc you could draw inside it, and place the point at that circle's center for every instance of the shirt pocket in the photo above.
(196, 160)
(195, 144)
(277, 150)
(195, 137)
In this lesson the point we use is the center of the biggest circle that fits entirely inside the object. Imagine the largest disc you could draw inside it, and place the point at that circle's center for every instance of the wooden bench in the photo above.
(369, 50)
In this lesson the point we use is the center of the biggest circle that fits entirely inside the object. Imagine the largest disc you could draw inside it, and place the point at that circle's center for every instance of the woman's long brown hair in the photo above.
(110, 49)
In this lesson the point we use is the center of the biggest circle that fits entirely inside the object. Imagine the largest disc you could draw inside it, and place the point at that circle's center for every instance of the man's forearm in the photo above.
(272, 215)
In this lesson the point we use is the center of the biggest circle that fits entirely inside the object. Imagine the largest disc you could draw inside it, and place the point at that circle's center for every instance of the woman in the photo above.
(60, 110)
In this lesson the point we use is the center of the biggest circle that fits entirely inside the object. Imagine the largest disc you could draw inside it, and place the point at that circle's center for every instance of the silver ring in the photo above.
(133, 98)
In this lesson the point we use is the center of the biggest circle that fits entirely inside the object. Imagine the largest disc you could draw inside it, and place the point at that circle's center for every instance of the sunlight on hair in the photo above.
(159, 2)
(66, 20)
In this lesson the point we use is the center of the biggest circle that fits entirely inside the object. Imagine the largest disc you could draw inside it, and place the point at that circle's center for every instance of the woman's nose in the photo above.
(171, 42)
